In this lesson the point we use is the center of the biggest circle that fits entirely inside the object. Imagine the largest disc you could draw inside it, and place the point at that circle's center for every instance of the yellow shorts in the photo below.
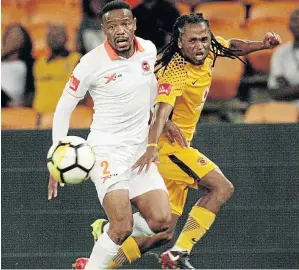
(181, 168)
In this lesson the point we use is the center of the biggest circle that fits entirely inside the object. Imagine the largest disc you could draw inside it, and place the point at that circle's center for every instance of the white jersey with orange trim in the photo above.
(123, 92)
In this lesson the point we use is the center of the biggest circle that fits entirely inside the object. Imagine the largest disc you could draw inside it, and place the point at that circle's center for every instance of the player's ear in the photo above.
(135, 22)
(180, 45)
(104, 28)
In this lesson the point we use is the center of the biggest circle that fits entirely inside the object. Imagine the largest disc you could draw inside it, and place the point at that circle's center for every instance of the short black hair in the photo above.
(116, 4)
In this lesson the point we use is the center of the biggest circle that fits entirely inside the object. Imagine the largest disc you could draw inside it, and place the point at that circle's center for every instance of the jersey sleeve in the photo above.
(80, 81)
(224, 42)
(62, 116)
(172, 83)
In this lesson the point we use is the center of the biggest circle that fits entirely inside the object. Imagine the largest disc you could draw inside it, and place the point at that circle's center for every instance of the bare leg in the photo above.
(220, 189)
(154, 217)
(159, 239)
(119, 211)
(154, 207)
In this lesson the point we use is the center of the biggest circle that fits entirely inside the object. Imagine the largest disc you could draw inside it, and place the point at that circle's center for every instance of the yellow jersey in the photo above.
(50, 79)
(186, 86)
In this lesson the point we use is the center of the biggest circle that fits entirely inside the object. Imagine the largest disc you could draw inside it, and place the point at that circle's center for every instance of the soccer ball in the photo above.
(70, 160)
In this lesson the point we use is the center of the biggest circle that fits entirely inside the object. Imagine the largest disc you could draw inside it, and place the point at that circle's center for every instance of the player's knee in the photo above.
(120, 232)
(159, 223)
(225, 191)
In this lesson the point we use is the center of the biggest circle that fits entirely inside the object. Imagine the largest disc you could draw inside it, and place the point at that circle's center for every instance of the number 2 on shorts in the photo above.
(104, 164)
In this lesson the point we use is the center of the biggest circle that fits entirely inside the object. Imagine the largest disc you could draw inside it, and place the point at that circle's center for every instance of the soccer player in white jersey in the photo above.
(119, 77)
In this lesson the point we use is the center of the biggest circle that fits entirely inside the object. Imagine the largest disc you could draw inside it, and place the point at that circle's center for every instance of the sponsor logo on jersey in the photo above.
(108, 176)
(74, 83)
(164, 89)
(112, 78)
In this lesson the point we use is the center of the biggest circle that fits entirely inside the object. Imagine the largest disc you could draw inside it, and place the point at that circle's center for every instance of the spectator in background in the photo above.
(283, 81)
(17, 82)
(154, 15)
(52, 73)
(90, 34)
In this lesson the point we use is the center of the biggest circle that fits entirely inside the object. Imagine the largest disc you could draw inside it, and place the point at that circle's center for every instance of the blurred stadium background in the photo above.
(253, 137)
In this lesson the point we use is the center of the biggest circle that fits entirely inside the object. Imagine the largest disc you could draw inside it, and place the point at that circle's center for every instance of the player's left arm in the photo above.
(160, 117)
(243, 47)
(171, 84)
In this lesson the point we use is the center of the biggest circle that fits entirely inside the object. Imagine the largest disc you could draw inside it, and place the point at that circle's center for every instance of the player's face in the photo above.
(119, 27)
(195, 42)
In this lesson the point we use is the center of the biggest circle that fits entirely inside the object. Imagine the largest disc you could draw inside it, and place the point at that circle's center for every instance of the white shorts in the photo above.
(113, 171)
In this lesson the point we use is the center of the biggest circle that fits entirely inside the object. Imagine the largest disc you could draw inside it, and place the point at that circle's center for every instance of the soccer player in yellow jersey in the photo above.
(184, 79)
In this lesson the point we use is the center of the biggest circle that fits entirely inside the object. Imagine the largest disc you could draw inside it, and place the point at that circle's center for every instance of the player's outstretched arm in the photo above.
(74, 91)
(161, 115)
(64, 109)
(243, 47)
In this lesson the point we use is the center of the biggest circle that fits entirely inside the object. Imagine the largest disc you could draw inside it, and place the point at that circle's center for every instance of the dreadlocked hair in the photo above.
(170, 49)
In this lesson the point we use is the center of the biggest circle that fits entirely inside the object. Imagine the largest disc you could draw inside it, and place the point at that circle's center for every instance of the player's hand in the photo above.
(151, 155)
(174, 134)
(53, 187)
(271, 40)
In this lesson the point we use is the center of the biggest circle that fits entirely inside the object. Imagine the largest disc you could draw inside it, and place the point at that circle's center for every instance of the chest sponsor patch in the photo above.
(74, 83)
(112, 78)
(164, 89)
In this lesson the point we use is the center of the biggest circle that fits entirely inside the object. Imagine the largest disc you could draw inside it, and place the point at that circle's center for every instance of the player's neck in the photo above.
(127, 54)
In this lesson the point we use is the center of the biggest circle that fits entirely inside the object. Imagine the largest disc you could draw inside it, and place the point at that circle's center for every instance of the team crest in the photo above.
(202, 161)
(146, 68)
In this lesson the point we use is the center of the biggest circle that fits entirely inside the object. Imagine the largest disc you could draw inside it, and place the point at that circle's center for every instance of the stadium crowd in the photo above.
(42, 42)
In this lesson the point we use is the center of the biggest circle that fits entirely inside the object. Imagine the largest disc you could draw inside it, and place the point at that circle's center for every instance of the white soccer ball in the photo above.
(70, 160)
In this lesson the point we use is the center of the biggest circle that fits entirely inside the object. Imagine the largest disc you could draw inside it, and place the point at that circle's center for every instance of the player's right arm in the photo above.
(73, 92)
